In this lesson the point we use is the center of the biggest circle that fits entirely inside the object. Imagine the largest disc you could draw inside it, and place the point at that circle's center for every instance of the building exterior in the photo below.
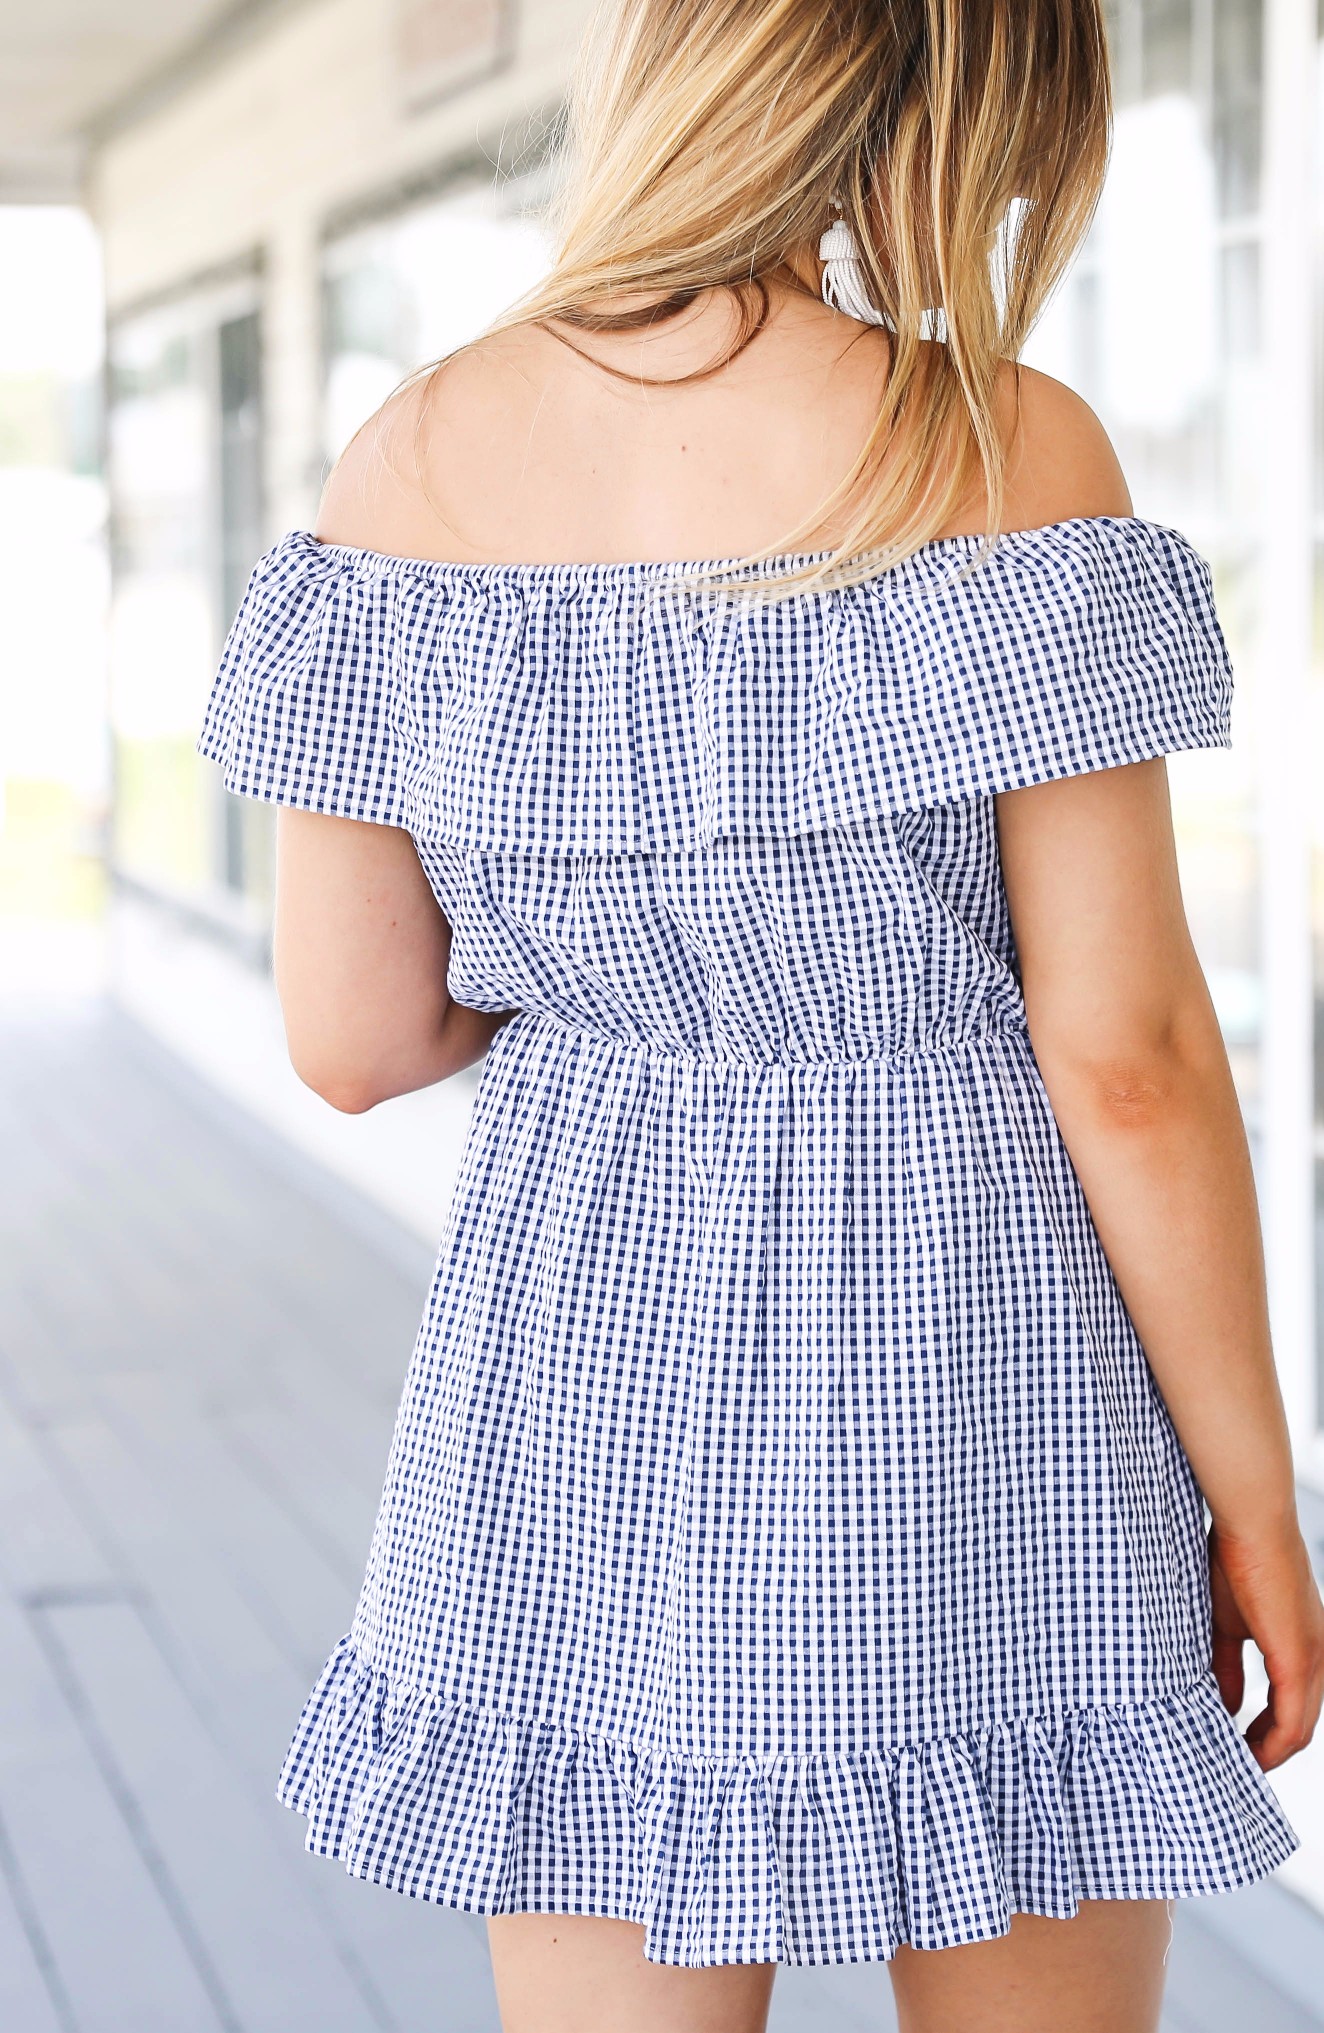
(294, 218)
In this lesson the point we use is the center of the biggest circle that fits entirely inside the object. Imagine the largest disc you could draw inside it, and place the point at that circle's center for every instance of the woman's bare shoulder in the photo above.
(1061, 461)
(435, 451)
(439, 469)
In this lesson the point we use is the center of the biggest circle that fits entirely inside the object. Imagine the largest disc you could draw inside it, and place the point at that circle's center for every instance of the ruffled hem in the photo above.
(794, 1858)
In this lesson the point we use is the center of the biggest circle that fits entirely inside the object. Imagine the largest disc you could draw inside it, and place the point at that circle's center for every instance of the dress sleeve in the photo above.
(1102, 646)
(309, 706)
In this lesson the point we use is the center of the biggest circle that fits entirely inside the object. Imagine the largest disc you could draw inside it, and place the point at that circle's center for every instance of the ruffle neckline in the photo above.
(555, 709)
(362, 560)
(936, 1842)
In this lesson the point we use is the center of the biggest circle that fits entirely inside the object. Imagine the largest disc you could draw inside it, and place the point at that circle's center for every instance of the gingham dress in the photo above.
(783, 1541)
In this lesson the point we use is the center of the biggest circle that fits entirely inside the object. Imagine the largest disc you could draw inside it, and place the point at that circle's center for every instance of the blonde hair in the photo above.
(706, 138)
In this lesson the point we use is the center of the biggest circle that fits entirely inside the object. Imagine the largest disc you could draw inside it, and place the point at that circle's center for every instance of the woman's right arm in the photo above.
(1134, 1064)
(361, 953)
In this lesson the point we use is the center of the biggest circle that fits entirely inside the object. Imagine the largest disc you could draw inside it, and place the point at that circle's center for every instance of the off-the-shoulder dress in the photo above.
(783, 1543)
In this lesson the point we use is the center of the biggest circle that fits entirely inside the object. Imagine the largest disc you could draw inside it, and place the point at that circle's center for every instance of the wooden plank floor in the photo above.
(201, 1348)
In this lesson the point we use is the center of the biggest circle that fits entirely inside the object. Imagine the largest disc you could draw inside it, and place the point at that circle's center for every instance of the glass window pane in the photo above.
(410, 287)
(1242, 411)
(1167, 53)
(1238, 32)
(184, 439)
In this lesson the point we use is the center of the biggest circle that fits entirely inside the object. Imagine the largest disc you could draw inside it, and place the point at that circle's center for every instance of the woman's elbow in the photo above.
(1138, 1093)
(1135, 1087)
(334, 1070)
(345, 1087)
(356, 1058)
(354, 1075)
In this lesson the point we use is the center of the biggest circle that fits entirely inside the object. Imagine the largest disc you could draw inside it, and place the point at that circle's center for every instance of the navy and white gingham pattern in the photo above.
(783, 1543)
(590, 708)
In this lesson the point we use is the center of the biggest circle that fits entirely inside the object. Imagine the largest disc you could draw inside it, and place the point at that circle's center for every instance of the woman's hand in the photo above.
(1263, 1589)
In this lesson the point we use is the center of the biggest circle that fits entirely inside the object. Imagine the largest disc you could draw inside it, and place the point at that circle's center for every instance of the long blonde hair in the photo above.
(967, 141)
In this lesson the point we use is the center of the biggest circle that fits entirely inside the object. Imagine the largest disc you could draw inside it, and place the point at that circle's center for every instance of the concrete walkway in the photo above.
(202, 1340)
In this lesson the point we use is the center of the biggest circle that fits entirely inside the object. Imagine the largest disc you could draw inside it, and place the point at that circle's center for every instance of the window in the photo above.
(409, 286)
(184, 431)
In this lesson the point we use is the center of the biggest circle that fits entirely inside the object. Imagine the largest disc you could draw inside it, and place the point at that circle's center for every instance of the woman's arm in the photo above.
(1132, 1058)
(361, 944)
(361, 950)
(1130, 1051)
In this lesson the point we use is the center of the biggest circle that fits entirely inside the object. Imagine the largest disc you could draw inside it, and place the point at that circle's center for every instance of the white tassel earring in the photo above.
(844, 285)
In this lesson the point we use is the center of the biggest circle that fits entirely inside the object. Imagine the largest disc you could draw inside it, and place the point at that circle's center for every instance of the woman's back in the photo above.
(529, 452)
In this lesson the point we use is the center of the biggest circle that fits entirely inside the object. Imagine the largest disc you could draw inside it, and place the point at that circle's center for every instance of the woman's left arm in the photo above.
(1133, 1061)
(361, 949)
(1132, 1056)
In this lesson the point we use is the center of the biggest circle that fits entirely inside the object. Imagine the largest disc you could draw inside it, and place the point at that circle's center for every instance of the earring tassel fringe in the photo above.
(844, 283)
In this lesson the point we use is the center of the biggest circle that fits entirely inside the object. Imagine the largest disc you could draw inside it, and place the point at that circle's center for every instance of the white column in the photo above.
(1285, 787)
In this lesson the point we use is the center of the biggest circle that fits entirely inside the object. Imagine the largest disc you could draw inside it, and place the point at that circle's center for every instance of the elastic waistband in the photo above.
(537, 1021)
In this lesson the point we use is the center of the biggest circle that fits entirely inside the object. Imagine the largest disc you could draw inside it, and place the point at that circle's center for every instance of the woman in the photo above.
(792, 1545)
